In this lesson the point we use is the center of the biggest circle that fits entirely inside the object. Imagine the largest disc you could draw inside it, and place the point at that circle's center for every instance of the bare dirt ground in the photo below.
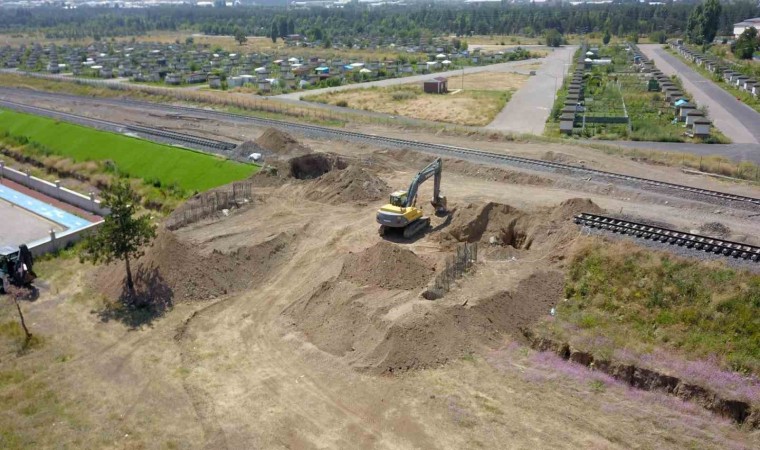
(290, 324)
(478, 103)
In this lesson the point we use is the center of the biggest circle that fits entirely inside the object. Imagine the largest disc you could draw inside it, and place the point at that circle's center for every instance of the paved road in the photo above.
(531, 105)
(511, 66)
(735, 119)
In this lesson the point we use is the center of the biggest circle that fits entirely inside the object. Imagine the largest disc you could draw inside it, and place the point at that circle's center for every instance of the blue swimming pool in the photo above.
(42, 209)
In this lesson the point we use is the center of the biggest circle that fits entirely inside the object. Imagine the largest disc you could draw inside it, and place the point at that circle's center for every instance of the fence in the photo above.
(456, 265)
(208, 204)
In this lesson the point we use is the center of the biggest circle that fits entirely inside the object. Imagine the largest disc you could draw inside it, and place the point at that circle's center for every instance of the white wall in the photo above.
(54, 190)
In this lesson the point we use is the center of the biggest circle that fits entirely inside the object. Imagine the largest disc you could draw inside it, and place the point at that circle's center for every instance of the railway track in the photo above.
(439, 150)
(171, 137)
(729, 249)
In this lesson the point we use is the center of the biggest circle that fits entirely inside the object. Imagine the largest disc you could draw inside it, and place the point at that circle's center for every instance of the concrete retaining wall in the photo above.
(54, 190)
(58, 241)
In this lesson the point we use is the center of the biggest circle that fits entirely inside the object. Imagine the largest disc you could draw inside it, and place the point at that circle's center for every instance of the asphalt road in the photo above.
(530, 106)
(737, 121)
(499, 67)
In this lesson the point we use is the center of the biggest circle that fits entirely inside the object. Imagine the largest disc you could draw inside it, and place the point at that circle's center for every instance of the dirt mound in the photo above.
(350, 185)
(715, 229)
(388, 331)
(281, 143)
(176, 270)
(502, 225)
(388, 266)
(574, 206)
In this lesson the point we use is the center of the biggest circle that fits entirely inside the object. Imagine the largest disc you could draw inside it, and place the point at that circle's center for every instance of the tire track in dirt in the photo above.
(271, 375)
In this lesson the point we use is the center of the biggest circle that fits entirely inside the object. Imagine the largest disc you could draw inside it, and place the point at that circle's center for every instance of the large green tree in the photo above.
(553, 38)
(240, 36)
(702, 26)
(123, 234)
(747, 44)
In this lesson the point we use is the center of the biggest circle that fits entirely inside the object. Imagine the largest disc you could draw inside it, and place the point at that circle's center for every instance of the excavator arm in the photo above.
(434, 169)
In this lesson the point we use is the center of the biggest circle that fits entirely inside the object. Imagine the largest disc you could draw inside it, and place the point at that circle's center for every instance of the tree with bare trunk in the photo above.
(21, 293)
(123, 234)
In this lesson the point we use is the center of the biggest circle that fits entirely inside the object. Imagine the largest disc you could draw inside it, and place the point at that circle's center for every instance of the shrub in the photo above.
(404, 95)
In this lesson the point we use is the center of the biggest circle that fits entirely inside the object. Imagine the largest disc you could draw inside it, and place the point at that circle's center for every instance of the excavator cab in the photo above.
(398, 198)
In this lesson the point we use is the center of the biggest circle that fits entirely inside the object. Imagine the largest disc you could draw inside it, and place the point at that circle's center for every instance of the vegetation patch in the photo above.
(156, 163)
(624, 298)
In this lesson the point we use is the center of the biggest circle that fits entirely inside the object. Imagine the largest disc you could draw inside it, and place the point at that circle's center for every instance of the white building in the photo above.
(743, 25)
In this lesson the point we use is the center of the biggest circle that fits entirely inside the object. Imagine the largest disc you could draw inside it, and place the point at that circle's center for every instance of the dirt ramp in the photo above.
(388, 266)
(350, 185)
(173, 268)
(280, 144)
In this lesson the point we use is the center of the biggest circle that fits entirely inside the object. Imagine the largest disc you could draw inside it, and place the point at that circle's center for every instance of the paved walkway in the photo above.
(511, 66)
(737, 121)
(530, 106)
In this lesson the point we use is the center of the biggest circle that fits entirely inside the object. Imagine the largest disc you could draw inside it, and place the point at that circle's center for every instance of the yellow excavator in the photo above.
(402, 213)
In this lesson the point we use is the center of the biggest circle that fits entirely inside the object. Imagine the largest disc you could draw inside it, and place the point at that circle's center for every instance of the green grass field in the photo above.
(190, 170)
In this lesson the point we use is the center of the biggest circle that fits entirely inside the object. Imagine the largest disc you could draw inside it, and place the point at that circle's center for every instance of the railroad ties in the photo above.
(708, 244)
(437, 149)
(450, 150)
(182, 137)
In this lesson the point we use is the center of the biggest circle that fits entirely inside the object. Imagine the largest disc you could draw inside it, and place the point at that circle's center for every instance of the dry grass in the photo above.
(484, 95)
(464, 108)
(489, 81)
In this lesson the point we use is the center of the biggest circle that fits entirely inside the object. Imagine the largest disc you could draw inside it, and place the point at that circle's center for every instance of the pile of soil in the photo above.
(281, 143)
(715, 229)
(388, 266)
(392, 331)
(350, 185)
(174, 270)
(503, 225)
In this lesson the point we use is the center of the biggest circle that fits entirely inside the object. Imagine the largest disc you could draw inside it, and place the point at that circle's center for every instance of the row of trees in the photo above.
(409, 22)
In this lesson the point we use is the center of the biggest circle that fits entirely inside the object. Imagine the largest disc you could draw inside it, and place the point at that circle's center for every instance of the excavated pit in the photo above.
(501, 228)
(314, 165)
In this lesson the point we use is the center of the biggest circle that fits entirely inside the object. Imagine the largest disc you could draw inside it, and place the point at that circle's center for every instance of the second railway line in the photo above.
(474, 155)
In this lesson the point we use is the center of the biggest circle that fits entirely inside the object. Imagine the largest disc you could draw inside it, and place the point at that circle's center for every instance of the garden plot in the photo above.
(618, 104)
